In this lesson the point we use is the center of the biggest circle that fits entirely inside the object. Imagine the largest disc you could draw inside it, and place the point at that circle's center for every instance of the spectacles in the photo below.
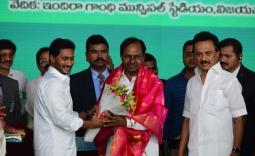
(44, 61)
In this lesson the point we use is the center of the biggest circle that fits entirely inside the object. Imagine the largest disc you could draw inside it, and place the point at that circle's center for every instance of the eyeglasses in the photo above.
(44, 61)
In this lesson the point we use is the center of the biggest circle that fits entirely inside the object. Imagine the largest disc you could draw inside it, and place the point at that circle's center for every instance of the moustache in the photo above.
(99, 59)
(223, 63)
(67, 66)
(7, 61)
(204, 62)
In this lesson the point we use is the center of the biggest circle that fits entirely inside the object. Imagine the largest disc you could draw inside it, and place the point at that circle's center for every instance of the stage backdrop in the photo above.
(164, 25)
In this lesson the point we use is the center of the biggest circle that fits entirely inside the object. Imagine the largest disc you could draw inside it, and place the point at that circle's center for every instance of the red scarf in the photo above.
(149, 111)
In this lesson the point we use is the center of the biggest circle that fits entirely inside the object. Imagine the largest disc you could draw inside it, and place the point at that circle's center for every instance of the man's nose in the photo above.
(69, 62)
(99, 54)
(203, 57)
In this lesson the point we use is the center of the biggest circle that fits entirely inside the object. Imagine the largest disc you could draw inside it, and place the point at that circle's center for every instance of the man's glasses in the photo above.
(44, 61)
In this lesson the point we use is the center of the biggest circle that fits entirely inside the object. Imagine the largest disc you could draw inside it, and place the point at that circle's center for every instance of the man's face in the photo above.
(132, 58)
(205, 54)
(43, 62)
(97, 55)
(228, 59)
(188, 57)
(64, 61)
(151, 65)
(7, 56)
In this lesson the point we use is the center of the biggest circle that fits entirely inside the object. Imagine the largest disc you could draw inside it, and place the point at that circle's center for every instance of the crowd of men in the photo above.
(208, 109)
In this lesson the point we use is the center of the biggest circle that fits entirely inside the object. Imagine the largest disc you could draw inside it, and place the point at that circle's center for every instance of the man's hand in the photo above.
(91, 112)
(95, 122)
(2, 112)
(13, 130)
(2, 115)
(83, 115)
(115, 120)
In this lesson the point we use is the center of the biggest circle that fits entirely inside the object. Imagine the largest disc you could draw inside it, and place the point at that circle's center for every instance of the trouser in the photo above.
(169, 147)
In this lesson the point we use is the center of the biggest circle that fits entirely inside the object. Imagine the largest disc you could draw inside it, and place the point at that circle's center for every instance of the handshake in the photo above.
(106, 119)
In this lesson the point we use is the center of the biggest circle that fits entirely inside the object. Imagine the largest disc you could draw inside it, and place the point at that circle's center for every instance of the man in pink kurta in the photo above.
(133, 133)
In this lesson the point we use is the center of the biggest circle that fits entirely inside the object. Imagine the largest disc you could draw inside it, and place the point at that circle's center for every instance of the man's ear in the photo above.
(52, 59)
(240, 57)
(218, 55)
(87, 56)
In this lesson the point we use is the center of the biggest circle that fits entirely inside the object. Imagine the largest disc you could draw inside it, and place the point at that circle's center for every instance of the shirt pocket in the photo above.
(216, 101)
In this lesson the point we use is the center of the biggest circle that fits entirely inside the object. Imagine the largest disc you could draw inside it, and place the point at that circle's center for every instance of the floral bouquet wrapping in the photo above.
(117, 99)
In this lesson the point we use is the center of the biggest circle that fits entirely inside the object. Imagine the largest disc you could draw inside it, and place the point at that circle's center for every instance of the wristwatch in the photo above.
(236, 150)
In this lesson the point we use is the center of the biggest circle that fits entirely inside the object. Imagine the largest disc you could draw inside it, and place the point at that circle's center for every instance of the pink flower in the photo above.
(123, 97)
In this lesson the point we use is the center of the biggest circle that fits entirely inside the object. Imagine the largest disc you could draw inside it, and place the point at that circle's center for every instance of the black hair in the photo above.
(129, 41)
(205, 36)
(148, 57)
(59, 44)
(40, 52)
(237, 46)
(7, 44)
(96, 39)
(189, 42)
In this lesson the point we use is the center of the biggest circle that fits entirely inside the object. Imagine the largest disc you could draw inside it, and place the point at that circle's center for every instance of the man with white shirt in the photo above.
(42, 62)
(231, 58)
(138, 129)
(7, 52)
(214, 106)
(55, 122)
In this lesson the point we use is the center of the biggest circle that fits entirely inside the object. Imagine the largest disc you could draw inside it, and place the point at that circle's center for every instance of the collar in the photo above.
(235, 72)
(215, 68)
(95, 73)
(56, 73)
(10, 73)
(126, 78)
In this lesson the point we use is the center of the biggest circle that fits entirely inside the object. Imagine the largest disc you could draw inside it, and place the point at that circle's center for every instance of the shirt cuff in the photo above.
(129, 122)
(239, 112)
(77, 123)
(186, 114)
(134, 125)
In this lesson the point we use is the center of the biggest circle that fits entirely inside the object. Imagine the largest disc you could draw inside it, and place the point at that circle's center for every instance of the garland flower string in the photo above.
(127, 100)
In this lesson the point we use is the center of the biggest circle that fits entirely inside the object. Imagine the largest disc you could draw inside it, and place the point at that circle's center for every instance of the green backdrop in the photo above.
(163, 25)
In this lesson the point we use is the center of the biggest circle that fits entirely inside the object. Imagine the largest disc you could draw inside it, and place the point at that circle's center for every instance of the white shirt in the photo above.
(22, 81)
(211, 108)
(55, 122)
(29, 106)
(20, 77)
(152, 147)
(237, 70)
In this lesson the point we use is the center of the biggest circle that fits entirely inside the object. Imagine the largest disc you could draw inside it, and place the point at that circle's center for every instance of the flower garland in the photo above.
(127, 100)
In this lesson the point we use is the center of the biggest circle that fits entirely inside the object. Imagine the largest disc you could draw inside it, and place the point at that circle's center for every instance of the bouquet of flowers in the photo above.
(127, 100)
(118, 100)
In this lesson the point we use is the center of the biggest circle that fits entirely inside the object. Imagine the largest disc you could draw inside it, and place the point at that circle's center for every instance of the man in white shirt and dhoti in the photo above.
(214, 106)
